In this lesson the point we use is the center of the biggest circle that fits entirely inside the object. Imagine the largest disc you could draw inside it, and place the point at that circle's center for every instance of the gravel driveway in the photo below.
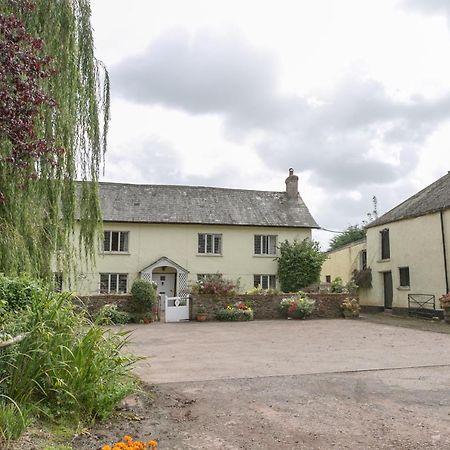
(283, 385)
(226, 350)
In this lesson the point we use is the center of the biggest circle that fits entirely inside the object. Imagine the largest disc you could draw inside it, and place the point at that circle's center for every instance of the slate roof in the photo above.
(201, 205)
(434, 197)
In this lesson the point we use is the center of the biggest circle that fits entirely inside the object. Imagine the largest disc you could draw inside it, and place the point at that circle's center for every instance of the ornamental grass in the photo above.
(66, 367)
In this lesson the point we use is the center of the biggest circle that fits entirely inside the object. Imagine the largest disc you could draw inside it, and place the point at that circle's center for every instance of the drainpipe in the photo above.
(444, 249)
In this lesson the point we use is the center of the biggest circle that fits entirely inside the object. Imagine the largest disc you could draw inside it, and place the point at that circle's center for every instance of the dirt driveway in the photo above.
(290, 385)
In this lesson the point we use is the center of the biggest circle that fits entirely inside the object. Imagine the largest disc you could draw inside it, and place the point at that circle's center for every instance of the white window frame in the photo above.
(264, 281)
(110, 276)
(210, 240)
(267, 244)
(119, 234)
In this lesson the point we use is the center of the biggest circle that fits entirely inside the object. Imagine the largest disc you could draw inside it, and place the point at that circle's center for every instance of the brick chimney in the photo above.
(292, 185)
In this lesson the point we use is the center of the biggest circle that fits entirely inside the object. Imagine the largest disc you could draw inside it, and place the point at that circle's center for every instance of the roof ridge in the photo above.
(189, 186)
(429, 188)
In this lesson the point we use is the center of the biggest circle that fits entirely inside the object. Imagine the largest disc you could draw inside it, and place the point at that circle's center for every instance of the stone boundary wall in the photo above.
(266, 306)
(94, 303)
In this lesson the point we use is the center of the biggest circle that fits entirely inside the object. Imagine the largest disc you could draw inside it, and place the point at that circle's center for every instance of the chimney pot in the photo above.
(292, 185)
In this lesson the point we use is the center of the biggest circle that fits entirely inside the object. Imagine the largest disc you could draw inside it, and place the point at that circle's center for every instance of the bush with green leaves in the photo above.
(298, 307)
(65, 367)
(352, 234)
(143, 296)
(299, 264)
(18, 293)
(110, 315)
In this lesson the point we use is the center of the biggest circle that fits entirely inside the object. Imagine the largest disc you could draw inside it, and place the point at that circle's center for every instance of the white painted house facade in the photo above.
(176, 235)
(408, 251)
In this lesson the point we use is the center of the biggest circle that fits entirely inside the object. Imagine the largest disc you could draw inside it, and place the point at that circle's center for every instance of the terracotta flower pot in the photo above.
(201, 317)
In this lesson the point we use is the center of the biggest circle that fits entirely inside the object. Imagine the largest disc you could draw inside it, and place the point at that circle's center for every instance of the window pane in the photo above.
(107, 241)
(217, 244)
(404, 276)
(209, 244)
(273, 245)
(265, 245)
(104, 278)
(363, 259)
(385, 247)
(264, 281)
(272, 281)
(124, 241)
(201, 243)
(257, 244)
(123, 283)
(114, 241)
(113, 282)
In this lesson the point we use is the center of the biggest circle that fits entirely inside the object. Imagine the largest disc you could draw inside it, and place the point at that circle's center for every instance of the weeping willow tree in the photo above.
(54, 113)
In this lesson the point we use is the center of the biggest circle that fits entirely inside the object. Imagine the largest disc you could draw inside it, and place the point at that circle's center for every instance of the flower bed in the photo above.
(299, 306)
(238, 311)
(327, 305)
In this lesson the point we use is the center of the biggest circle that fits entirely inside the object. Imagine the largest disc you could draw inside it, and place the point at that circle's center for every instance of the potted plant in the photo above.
(350, 308)
(201, 314)
(445, 305)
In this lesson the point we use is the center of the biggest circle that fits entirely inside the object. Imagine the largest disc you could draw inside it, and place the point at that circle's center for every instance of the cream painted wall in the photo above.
(342, 262)
(414, 243)
(149, 242)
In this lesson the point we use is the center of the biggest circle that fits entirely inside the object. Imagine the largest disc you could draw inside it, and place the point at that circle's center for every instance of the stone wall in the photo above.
(266, 306)
(94, 303)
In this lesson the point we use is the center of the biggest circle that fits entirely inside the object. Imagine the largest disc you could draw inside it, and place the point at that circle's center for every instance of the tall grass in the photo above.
(66, 367)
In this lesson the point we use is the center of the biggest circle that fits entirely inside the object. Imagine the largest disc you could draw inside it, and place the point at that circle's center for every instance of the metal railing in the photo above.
(422, 305)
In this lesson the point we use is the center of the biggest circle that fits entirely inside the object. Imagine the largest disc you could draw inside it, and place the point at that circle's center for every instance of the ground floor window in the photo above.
(265, 281)
(113, 283)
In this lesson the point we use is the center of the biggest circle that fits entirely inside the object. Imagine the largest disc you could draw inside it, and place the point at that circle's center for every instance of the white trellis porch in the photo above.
(181, 289)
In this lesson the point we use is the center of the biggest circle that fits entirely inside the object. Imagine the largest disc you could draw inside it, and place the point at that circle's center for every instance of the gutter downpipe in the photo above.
(444, 250)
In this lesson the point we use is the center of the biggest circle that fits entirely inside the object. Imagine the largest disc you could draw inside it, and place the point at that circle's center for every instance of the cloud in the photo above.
(429, 6)
(202, 74)
(357, 135)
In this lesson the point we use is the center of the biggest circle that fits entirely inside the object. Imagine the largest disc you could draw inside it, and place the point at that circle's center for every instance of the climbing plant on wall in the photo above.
(54, 113)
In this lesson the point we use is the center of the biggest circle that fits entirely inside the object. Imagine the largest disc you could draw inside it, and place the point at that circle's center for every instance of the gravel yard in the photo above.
(285, 385)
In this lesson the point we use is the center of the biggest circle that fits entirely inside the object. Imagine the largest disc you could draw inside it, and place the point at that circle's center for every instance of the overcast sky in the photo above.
(353, 94)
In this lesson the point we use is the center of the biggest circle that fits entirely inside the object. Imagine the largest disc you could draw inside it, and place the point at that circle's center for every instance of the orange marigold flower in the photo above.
(127, 438)
(152, 443)
(106, 447)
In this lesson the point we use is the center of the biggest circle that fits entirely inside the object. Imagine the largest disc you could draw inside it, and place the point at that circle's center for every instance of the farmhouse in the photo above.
(175, 235)
(407, 250)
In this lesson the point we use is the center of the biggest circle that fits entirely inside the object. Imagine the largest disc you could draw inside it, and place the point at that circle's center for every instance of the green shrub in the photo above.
(66, 366)
(18, 293)
(337, 285)
(143, 296)
(109, 314)
(299, 264)
(297, 307)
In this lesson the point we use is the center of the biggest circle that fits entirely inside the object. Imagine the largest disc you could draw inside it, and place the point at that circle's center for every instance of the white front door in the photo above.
(165, 284)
